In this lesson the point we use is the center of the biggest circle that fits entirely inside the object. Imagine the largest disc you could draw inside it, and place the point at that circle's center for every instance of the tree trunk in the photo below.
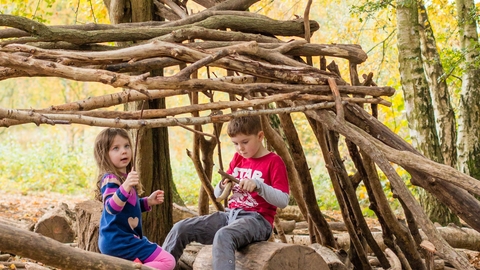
(418, 103)
(154, 164)
(435, 76)
(152, 155)
(267, 256)
(469, 110)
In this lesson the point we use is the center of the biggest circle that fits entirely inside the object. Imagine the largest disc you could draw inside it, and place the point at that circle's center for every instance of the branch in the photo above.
(155, 123)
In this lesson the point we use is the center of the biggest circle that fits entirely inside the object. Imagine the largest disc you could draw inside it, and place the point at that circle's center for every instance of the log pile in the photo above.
(246, 57)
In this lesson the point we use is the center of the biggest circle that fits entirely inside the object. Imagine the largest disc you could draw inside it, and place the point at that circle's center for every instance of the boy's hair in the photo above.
(247, 125)
(103, 142)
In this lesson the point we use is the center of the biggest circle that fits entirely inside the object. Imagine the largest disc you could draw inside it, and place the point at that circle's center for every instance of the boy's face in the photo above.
(249, 146)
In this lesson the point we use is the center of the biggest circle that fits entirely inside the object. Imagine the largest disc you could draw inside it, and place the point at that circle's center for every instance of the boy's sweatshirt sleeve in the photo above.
(271, 195)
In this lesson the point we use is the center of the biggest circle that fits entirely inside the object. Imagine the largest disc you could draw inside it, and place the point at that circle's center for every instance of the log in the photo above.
(460, 238)
(330, 257)
(58, 224)
(53, 253)
(18, 224)
(189, 255)
(88, 222)
(291, 212)
(287, 225)
(267, 256)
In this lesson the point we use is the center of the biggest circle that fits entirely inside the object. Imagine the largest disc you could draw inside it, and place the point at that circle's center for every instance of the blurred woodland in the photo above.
(371, 93)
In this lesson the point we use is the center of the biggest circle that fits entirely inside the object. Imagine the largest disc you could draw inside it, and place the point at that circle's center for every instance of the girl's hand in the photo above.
(157, 197)
(131, 181)
(248, 184)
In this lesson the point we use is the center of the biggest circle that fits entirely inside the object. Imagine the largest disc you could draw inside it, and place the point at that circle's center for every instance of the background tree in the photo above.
(152, 148)
(469, 109)
(418, 98)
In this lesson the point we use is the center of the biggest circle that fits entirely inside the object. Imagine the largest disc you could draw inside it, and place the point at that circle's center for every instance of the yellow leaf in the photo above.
(12, 266)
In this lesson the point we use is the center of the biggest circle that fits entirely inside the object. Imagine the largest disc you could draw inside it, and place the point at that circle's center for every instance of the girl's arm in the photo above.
(114, 198)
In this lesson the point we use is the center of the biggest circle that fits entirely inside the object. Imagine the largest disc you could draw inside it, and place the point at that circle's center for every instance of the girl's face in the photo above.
(249, 146)
(120, 153)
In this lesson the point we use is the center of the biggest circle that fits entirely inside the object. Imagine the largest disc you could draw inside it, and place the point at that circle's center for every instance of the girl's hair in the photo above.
(247, 125)
(103, 142)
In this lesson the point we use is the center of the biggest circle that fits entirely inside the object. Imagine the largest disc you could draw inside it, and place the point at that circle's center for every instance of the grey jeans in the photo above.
(226, 231)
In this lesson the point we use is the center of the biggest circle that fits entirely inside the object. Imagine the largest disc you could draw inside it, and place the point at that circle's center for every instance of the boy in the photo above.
(251, 208)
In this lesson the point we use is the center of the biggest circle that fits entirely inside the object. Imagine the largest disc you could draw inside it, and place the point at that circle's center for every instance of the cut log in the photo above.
(330, 257)
(291, 212)
(267, 256)
(88, 221)
(287, 225)
(58, 224)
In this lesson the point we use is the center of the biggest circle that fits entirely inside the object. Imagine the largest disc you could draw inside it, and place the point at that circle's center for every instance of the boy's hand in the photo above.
(131, 181)
(157, 197)
(248, 184)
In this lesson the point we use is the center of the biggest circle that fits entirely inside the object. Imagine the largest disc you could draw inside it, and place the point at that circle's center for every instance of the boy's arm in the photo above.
(272, 195)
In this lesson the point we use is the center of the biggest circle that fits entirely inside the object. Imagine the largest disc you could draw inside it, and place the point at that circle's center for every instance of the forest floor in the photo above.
(29, 207)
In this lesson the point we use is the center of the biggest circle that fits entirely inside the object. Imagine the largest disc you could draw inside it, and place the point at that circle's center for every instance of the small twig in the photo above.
(228, 186)
(137, 139)
(195, 131)
(228, 176)
(186, 72)
(338, 98)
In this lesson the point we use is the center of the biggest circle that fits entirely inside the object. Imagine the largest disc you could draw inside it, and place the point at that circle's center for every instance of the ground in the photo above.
(29, 207)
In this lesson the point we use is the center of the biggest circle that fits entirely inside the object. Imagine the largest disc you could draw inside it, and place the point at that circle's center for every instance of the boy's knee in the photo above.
(180, 226)
(224, 234)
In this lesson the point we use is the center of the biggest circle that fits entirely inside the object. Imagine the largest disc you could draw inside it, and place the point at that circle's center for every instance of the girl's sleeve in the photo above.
(144, 204)
(114, 196)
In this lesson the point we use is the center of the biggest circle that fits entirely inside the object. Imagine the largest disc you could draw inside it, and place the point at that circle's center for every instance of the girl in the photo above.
(121, 223)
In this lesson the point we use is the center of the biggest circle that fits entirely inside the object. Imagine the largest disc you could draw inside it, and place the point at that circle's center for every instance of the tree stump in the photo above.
(57, 224)
(88, 222)
(267, 256)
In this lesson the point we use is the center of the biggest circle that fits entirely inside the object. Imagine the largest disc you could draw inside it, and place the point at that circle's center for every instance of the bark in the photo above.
(444, 114)
(435, 76)
(469, 109)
